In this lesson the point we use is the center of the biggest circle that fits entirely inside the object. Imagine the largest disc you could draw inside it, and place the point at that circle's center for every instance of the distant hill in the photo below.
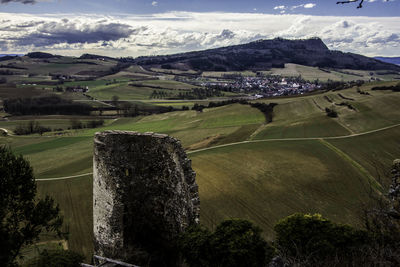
(265, 54)
(392, 60)
(11, 55)
(92, 56)
(4, 57)
(41, 55)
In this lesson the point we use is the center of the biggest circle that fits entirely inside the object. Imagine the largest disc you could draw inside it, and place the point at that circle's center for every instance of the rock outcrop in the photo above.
(144, 196)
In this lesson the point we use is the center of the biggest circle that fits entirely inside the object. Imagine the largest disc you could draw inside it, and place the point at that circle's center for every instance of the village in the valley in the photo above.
(265, 86)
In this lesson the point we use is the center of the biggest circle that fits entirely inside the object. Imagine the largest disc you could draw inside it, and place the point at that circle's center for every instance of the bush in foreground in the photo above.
(313, 240)
(22, 216)
(56, 258)
(234, 243)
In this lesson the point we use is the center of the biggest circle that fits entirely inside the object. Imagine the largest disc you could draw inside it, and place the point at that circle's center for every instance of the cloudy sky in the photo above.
(148, 27)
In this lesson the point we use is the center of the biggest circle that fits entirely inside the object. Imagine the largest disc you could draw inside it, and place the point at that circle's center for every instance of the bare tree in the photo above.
(360, 5)
(351, 1)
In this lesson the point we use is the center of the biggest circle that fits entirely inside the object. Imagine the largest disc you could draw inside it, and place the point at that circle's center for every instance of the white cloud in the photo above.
(154, 3)
(309, 5)
(279, 7)
(134, 35)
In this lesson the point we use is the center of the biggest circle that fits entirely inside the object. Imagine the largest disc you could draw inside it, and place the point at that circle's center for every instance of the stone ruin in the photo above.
(144, 196)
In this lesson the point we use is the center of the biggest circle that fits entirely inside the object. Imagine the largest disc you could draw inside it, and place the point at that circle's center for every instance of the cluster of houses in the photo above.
(72, 89)
(77, 88)
(264, 86)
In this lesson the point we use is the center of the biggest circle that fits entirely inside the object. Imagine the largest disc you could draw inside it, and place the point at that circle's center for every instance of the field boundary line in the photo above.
(64, 178)
(345, 126)
(295, 139)
(377, 186)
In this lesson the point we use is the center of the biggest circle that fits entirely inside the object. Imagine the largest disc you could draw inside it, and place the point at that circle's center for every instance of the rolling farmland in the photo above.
(302, 161)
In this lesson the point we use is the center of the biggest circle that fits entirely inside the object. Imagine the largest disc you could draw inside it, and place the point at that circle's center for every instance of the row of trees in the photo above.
(266, 109)
(77, 124)
(195, 93)
(45, 105)
(394, 88)
(31, 127)
(337, 85)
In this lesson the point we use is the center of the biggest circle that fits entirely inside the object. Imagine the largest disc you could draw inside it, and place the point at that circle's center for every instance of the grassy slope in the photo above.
(264, 182)
(71, 155)
(305, 116)
(375, 151)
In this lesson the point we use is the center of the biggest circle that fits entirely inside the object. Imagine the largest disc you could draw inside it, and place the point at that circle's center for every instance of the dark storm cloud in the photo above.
(51, 33)
(19, 1)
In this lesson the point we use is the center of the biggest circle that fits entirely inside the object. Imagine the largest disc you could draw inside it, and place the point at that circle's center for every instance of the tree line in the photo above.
(45, 105)
(394, 88)
(266, 109)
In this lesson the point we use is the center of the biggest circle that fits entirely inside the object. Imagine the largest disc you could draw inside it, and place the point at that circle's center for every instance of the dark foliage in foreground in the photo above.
(22, 216)
(59, 258)
(234, 243)
(312, 240)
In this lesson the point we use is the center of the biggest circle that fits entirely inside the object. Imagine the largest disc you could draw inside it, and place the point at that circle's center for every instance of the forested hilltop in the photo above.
(264, 54)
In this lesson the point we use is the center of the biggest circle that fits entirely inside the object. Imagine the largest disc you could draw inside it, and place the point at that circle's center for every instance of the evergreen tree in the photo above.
(22, 216)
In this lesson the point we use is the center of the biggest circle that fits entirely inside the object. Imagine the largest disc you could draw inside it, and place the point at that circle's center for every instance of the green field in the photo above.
(303, 161)
(265, 182)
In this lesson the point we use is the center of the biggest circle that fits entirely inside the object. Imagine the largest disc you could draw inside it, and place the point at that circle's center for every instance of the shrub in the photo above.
(195, 245)
(313, 239)
(331, 113)
(56, 258)
(234, 243)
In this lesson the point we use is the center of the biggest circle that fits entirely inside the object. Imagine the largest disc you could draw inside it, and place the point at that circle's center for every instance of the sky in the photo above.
(122, 28)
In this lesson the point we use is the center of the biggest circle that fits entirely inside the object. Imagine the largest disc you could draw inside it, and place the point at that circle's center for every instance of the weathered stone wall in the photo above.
(144, 195)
